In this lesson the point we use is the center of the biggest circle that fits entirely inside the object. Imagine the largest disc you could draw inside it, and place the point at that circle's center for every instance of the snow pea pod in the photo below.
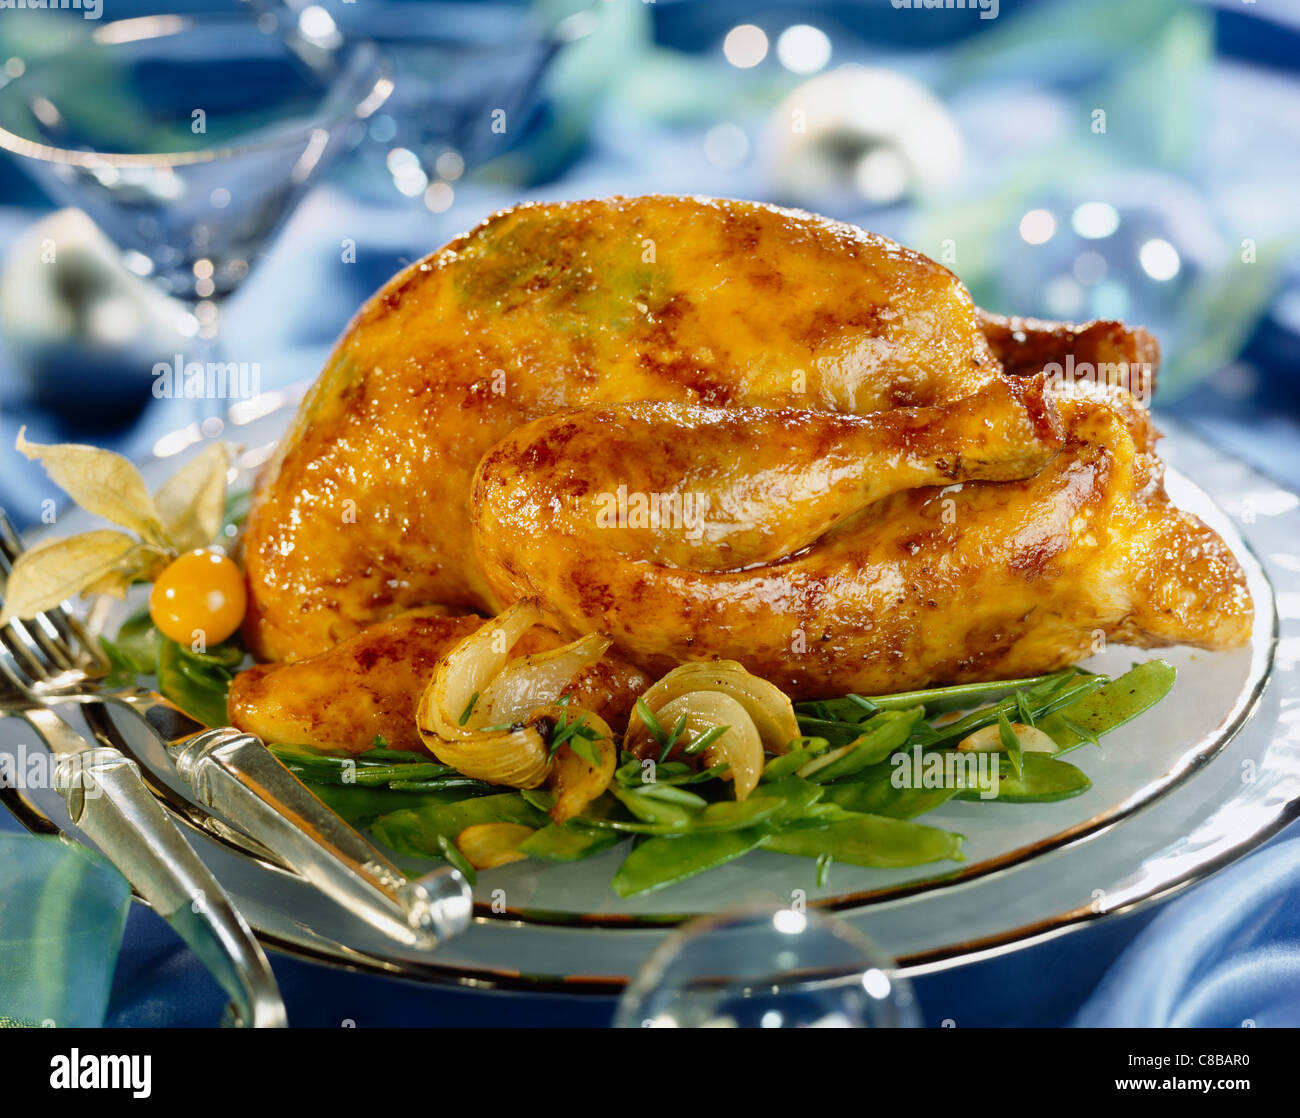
(417, 831)
(663, 861)
(802, 750)
(872, 792)
(725, 815)
(198, 688)
(870, 840)
(563, 843)
(1042, 779)
(795, 795)
(138, 644)
(880, 736)
(1109, 707)
(654, 811)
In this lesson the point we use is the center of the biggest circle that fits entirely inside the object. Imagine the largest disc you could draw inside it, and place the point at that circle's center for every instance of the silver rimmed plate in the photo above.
(1203, 777)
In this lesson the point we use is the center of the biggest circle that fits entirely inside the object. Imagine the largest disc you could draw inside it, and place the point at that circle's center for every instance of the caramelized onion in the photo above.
(738, 746)
(488, 845)
(574, 780)
(468, 668)
(769, 708)
(481, 711)
(519, 758)
(529, 682)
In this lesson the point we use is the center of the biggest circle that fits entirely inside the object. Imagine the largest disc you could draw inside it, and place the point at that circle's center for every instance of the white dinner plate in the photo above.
(1204, 776)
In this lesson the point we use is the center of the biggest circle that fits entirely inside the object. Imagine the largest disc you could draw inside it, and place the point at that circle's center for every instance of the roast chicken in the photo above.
(716, 429)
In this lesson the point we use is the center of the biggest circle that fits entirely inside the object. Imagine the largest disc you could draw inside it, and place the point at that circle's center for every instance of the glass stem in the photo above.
(210, 404)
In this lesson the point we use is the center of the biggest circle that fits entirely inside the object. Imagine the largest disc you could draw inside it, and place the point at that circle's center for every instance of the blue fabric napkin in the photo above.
(1227, 955)
(62, 911)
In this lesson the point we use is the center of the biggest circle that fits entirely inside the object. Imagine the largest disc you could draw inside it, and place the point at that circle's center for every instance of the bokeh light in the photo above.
(745, 46)
(803, 49)
(1037, 227)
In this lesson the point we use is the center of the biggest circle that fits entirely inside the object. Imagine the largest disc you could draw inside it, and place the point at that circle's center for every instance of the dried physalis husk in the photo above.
(51, 572)
(184, 514)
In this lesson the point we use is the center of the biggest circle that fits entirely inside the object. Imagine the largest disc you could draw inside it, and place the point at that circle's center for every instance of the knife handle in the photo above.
(108, 801)
(235, 775)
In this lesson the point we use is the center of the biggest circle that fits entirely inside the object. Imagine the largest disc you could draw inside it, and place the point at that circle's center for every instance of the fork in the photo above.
(51, 659)
(108, 801)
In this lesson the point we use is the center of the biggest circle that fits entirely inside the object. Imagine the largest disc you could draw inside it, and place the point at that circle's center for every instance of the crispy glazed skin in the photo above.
(1111, 352)
(816, 382)
(846, 589)
(371, 683)
(366, 510)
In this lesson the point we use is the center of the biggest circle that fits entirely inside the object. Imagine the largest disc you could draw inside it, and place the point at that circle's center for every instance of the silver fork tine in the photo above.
(30, 657)
(59, 635)
(26, 669)
(37, 643)
(10, 670)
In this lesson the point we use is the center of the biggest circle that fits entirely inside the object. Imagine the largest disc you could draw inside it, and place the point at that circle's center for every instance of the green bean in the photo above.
(376, 755)
(835, 732)
(441, 783)
(936, 700)
(1042, 701)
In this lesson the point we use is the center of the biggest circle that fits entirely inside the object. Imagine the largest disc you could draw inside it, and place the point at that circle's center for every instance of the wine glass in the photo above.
(768, 967)
(466, 77)
(188, 139)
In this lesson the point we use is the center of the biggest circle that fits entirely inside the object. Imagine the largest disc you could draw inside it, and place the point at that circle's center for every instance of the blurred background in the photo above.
(253, 171)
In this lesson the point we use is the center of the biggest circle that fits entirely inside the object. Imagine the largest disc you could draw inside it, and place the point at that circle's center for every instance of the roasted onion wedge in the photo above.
(519, 757)
(488, 845)
(739, 745)
(492, 718)
(769, 708)
(465, 672)
(574, 780)
(529, 682)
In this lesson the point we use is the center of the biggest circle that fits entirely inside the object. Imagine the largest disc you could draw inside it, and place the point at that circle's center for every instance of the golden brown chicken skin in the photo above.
(365, 512)
(1054, 532)
(872, 490)
(370, 684)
